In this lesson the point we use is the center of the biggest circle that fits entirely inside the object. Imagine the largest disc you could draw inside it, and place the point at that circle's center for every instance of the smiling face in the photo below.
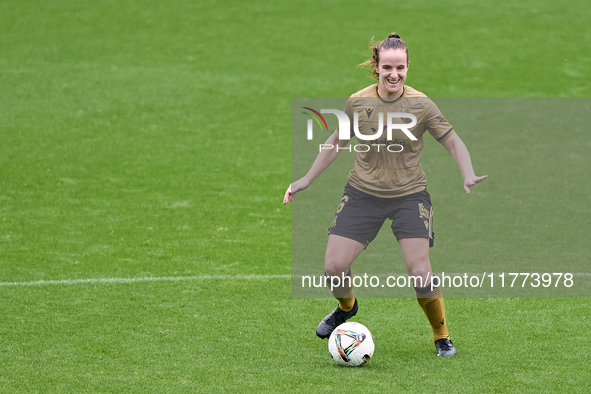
(391, 72)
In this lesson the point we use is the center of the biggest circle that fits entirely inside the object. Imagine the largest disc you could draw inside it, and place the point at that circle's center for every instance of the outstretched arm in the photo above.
(456, 147)
(323, 160)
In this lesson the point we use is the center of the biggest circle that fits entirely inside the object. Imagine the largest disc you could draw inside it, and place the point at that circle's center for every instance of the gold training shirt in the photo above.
(389, 167)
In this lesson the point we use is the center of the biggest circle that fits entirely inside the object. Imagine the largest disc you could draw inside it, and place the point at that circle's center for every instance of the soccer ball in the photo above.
(351, 344)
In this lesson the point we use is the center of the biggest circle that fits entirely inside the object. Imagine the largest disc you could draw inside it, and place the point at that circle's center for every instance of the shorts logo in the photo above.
(339, 209)
(342, 204)
(424, 214)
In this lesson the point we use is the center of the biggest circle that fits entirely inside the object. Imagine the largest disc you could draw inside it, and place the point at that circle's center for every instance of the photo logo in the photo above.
(385, 124)
(310, 125)
(409, 120)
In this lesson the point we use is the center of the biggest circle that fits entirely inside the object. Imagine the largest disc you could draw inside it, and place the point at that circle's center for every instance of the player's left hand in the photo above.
(471, 181)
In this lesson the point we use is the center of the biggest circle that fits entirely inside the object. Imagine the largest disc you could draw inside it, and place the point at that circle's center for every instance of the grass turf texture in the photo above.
(142, 139)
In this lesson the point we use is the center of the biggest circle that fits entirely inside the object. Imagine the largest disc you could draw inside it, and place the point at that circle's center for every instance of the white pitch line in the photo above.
(144, 279)
(182, 278)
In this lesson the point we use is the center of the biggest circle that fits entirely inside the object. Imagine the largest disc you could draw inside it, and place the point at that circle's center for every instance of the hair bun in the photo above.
(394, 35)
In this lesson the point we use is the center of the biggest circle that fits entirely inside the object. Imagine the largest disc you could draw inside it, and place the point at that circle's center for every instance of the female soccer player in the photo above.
(388, 183)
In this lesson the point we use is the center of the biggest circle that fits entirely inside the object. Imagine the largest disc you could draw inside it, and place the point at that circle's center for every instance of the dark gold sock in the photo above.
(343, 291)
(432, 303)
(346, 304)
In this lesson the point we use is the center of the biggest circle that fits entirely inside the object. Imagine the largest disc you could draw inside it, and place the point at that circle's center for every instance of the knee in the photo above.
(334, 266)
(420, 268)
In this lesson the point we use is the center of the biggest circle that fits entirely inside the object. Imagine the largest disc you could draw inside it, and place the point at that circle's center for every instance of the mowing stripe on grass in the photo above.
(179, 278)
(144, 279)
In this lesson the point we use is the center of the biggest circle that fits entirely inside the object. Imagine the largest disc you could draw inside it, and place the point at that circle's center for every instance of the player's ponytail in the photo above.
(392, 42)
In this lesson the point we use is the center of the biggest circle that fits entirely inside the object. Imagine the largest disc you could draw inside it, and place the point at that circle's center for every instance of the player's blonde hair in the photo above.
(392, 42)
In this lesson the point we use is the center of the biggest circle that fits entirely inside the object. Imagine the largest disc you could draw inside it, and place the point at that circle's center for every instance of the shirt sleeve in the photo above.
(437, 125)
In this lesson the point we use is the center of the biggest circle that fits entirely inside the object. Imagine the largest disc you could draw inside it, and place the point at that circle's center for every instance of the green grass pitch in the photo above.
(144, 153)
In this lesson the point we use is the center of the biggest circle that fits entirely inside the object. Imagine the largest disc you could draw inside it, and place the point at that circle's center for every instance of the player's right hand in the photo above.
(295, 187)
(288, 196)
